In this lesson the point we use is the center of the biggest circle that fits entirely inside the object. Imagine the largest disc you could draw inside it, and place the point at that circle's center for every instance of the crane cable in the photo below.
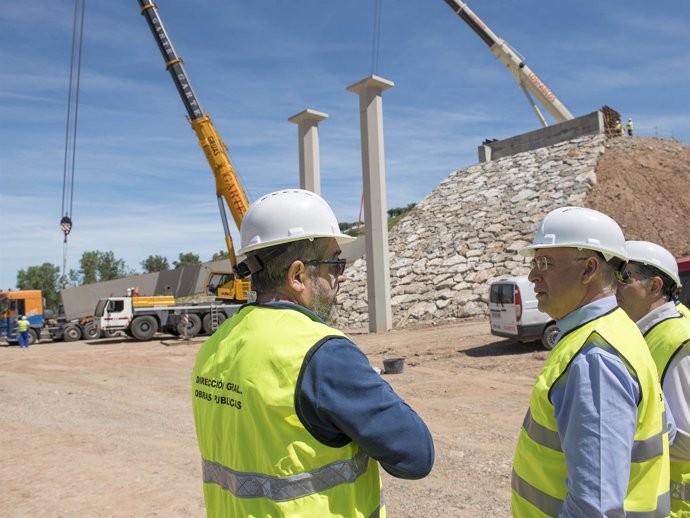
(375, 41)
(71, 126)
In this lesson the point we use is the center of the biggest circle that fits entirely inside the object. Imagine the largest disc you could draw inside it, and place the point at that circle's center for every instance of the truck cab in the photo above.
(113, 313)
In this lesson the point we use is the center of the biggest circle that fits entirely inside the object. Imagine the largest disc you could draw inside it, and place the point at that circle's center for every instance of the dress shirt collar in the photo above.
(585, 314)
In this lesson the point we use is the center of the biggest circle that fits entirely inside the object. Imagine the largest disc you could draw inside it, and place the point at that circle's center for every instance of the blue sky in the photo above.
(142, 184)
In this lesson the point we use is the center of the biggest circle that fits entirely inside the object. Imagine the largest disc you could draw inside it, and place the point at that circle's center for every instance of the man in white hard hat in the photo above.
(629, 126)
(594, 441)
(648, 298)
(291, 419)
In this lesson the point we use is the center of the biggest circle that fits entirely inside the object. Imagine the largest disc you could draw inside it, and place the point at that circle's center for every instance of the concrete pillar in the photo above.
(375, 211)
(308, 137)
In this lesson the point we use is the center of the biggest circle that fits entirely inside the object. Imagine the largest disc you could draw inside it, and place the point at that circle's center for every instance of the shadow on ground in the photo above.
(503, 348)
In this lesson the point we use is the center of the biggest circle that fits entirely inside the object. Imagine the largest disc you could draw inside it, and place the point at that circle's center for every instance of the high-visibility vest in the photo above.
(539, 469)
(23, 325)
(665, 339)
(258, 458)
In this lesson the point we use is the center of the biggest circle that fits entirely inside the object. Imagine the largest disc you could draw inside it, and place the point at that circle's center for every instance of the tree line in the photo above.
(96, 266)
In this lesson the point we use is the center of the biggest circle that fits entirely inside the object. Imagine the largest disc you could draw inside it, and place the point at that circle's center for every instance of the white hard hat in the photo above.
(578, 227)
(24, 317)
(286, 216)
(653, 255)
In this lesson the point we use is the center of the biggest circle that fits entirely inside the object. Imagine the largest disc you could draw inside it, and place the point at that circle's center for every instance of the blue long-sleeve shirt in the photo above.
(341, 398)
(595, 408)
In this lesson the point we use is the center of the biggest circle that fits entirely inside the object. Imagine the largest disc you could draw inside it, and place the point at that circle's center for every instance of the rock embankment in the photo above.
(467, 231)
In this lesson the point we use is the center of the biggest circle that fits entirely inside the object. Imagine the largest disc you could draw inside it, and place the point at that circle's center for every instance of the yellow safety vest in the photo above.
(539, 468)
(258, 459)
(22, 325)
(665, 339)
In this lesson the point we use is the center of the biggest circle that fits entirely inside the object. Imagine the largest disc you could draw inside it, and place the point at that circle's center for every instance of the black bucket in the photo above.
(393, 365)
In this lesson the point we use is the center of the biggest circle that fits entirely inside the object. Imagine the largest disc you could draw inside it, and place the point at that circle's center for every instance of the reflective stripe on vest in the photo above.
(547, 504)
(551, 506)
(642, 450)
(278, 489)
(680, 491)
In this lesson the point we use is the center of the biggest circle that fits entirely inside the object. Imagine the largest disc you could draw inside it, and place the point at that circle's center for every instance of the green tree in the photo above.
(110, 268)
(88, 267)
(97, 266)
(400, 211)
(220, 255)
(44, 278)
(155, 263)
(186, 259)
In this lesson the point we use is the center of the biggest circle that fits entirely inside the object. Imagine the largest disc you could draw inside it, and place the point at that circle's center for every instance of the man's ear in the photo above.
(296, 276)
(592, 266)
(656, 285)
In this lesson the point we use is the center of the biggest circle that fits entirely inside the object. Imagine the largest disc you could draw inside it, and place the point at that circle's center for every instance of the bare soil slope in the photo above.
(644, 184)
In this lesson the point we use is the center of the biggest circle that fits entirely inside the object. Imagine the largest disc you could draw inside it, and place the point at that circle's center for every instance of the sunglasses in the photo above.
(339, 264)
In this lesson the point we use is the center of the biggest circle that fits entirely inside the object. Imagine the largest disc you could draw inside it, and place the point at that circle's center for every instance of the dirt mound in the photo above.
(644, 184)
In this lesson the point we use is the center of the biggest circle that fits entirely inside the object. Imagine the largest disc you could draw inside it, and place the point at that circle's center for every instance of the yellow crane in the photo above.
(224, 285)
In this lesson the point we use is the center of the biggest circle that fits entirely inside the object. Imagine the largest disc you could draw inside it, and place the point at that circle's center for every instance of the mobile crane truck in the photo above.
(142, 320)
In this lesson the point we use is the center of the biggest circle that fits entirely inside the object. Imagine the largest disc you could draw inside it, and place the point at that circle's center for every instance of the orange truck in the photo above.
(42, 322)
(14, 304)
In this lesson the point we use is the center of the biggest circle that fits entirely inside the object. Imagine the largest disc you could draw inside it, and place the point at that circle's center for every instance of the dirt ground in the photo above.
(104, 428)
(644, 184)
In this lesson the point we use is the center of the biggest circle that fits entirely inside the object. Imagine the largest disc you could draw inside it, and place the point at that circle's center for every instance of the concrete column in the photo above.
(309, 165)
(375, 211)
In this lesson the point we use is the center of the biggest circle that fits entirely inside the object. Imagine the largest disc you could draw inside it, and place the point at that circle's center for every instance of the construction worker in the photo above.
(23, 330)
(629, 127)
(648, 298)
(291, 419)
(594, 441)
(618, 128)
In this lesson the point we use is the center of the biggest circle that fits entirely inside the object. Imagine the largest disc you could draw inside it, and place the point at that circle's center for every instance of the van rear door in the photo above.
(502, 314)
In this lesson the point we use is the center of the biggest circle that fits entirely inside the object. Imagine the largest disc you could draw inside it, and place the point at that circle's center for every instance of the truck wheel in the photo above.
(91, 331)
(33, 336)
(144, 327)
(71, 333)
(193, 326)
(208, 323)
(110, 333)
(548, 336)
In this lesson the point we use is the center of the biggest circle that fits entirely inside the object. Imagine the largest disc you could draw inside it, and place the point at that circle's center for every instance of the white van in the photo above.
(513, 312)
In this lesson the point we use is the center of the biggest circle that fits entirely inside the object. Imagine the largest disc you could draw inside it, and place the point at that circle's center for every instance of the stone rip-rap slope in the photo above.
(467, 230)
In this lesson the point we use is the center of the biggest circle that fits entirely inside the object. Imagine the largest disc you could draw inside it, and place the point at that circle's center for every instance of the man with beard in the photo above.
(291, 419)
(594, 441)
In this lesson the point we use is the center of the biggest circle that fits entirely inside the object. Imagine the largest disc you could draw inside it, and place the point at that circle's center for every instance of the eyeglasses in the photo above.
(542, 263)
(624, 277)
(337, 263)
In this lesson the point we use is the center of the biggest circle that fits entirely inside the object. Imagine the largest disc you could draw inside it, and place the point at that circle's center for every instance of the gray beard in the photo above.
(323, 305)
